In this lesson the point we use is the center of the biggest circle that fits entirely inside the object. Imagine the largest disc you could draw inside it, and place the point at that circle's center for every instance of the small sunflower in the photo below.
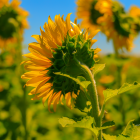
(55, 50)
(13, 20)
(108, 16)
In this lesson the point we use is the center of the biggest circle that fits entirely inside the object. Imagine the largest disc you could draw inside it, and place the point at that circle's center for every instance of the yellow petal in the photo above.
(41, 49)
(56, 100)
(68, 25)
(50, 100)
(46, 97)
(35, 81)
(42, 83)
(30, 74)
(76, 28)
(34, 68)
(97, 50)
(68, 99)
(92, 34)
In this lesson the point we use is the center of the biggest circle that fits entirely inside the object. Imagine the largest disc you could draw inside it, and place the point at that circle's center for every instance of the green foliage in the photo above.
(97, 68)
(131, 132)
(112, 59)
(79, 80)
(108, 125)
(87, 122)
(109, 93)
(82, 102)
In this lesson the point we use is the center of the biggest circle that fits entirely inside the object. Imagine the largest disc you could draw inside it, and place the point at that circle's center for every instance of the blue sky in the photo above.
(40, 10)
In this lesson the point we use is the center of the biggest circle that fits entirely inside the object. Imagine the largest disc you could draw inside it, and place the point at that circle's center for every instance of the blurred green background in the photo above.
(23, 119)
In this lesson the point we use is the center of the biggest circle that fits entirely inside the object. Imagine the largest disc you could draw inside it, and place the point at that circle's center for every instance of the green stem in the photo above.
(119, 81)
(93, 95)
(23, 109)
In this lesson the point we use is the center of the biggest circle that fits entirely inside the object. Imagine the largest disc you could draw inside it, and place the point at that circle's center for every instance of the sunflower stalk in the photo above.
(92, 91)
(21, 70)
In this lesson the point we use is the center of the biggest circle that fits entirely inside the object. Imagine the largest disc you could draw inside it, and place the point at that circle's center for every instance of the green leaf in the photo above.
(65, 122)
(109, 137)
(119, 137)
(107, 125)
(98, 67)
(79, 80)
(132, 131)
(122, 137)
(109, 93)
(86, 122)
(82, 103)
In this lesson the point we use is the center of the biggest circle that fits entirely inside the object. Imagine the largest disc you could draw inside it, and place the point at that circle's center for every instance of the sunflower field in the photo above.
(61, 86)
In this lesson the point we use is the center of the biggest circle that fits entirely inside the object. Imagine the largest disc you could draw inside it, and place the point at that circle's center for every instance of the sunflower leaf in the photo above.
(132, 130)
(107, 125)
(79, 80)
(86, 122)
(82, 103)
(109, 137)
(109, 93)
(119, 137)
(98, 67)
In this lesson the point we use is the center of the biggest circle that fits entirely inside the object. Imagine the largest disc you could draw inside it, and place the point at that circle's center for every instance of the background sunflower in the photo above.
(13, 22)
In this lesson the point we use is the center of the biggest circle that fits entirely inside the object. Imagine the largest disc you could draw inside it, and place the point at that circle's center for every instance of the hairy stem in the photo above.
(93, 96)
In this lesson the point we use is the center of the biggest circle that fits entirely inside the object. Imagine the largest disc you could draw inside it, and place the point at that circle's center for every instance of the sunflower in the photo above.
(92, 11)
(13, 21)
(55, 50)
(108, 16)
(134, 11)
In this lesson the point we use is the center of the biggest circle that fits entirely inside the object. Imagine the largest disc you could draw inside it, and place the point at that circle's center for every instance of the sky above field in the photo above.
(40, 10)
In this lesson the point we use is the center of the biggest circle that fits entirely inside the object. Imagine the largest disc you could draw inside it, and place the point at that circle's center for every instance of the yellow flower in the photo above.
(92, 12)
(13, 21)
(54, 52)
(102, 14)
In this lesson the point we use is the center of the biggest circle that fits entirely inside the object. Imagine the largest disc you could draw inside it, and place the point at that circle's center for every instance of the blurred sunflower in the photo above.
(92, 11)
(134, 11)
(12, 21)
(55, 51)
(108, 16)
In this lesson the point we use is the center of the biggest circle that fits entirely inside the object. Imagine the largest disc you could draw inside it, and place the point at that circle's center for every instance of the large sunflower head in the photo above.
(57, 48)
(12, 21)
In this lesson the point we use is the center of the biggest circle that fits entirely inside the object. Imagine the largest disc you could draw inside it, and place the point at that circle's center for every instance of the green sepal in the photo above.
(109, 93)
